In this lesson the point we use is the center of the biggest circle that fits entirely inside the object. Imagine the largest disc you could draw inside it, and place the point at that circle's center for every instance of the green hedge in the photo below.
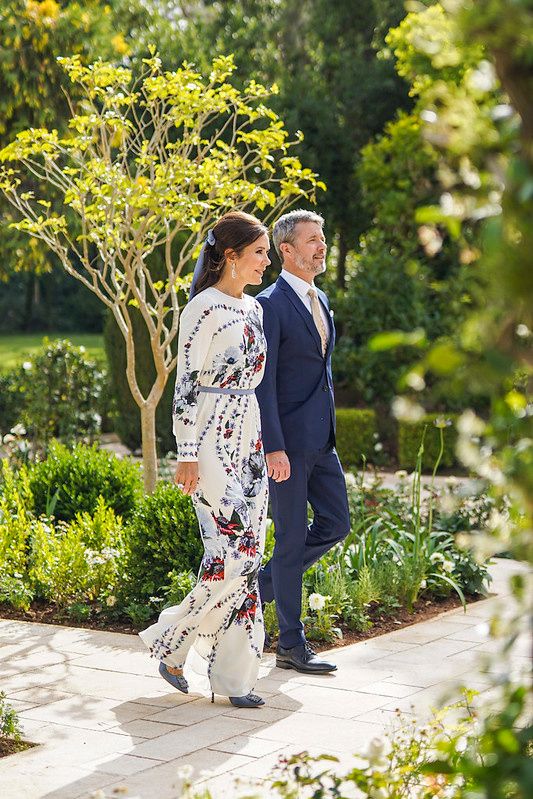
(356, 435)
(162, 536)
(410, 436)
(80, 475)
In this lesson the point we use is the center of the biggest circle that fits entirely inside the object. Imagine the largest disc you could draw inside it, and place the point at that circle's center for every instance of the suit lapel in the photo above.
(302, 310)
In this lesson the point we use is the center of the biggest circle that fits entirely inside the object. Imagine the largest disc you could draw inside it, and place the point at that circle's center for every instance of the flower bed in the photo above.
(125, 556)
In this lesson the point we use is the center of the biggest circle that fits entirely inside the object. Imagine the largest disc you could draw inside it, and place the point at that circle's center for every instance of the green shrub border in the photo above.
(410, 436)
(356, 435)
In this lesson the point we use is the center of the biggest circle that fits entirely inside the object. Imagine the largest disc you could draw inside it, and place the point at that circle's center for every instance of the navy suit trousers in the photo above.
(317, 478)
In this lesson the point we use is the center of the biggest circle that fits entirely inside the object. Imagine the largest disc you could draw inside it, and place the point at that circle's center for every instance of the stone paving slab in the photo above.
(103, 719)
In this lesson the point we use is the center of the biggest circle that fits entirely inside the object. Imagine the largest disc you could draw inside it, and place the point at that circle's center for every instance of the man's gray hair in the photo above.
(285, 228)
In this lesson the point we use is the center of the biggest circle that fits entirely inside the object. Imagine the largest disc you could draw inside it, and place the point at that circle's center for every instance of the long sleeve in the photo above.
(197, 328)
(266, 391)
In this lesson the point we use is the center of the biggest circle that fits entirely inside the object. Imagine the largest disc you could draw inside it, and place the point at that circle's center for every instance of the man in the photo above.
(298, 420)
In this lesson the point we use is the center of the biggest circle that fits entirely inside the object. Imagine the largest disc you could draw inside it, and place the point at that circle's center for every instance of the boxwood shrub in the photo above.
(162, 536)
(410, 436)
(78, 476)
(356, 429)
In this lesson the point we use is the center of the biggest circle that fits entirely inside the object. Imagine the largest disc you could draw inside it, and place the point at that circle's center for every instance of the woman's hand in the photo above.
(186, 476)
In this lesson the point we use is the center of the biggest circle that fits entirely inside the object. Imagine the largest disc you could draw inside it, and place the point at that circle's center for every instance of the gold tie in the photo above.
(319, 321)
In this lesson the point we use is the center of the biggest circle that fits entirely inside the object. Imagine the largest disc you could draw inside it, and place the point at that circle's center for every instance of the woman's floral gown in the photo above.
(222, 346)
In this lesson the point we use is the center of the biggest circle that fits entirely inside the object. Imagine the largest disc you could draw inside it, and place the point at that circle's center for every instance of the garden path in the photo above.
(104, 719)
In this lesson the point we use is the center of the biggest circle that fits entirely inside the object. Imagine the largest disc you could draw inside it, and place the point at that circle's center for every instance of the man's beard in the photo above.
(315, 267)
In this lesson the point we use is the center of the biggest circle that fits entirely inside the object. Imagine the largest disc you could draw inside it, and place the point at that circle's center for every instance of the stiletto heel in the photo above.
(212, 698)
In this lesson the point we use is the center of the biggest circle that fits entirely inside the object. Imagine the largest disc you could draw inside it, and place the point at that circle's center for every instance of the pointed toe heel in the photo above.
(250, 700)
(175, 680)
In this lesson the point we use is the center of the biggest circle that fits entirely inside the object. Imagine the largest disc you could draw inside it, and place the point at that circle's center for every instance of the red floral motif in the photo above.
(258, 363)
(227, 526)
(258, 445)
(247, 543)
(233, 378)
(228, 432)
(213, 569)
(249, 334)
(248, 608)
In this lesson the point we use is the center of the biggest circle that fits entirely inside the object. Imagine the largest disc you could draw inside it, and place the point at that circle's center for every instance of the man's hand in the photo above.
(186, 476)
(278, 466)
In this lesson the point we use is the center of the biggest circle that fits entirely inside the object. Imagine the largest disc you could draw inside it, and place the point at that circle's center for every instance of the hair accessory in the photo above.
(211, 240)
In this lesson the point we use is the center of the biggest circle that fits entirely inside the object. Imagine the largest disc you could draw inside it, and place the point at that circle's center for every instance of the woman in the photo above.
(221, 356)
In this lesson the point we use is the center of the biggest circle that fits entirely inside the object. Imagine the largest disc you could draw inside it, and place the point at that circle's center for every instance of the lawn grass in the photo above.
(15, 348)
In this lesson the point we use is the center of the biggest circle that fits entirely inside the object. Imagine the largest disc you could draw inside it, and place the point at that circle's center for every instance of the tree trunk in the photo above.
(148, 443)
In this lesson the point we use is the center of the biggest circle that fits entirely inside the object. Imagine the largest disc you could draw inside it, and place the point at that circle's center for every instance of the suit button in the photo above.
(324, 388)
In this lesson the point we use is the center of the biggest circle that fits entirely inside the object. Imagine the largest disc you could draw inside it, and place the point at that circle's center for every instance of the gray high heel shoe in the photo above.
(175, 680)
(250, 700)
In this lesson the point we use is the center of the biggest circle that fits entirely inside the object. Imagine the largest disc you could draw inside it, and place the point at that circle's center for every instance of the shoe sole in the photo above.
(282, 664)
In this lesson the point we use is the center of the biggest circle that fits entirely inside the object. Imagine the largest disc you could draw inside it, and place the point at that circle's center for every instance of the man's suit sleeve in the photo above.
(266, 392)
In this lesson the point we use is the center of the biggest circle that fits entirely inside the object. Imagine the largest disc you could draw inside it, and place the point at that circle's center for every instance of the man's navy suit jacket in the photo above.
(296, 394)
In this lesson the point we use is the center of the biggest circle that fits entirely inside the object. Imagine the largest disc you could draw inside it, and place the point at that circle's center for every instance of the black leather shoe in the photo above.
(302, 658)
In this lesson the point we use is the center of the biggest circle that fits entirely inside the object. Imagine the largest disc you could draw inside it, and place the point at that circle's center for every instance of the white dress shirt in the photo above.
(301, 287)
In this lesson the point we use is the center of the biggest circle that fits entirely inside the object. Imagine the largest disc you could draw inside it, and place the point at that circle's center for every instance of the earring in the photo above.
(233, 270)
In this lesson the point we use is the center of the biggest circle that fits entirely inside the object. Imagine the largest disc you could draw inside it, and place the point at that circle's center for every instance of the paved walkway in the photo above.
(103, 719)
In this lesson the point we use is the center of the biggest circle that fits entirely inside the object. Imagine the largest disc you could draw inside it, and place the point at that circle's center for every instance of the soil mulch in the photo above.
(10, 747)
(423, 610)
(46, 613)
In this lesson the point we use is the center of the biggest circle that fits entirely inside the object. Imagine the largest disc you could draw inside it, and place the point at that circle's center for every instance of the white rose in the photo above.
(448, 566)
(317, 602)
(184, 772)
(111, 601)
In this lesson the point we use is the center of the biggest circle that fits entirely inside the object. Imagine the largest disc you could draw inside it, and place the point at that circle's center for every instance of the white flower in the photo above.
(450, 205)
(378, 793)
(423, 584)
(436, 556)
(431, 241)
(378, 447)
(482, 79)
(184, 772)
(428, 116)
(469, 175)
(523, 331)
(463, 540)
(27, 366)
(111, 601)
(469, 424)
(448, 566)
(401, 474)
(18, 430)
(415, 381)
(376, 753)
(317, 602)
(406, 411)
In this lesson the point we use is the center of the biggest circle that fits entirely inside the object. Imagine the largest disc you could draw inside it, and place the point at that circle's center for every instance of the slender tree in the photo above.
(144, 163)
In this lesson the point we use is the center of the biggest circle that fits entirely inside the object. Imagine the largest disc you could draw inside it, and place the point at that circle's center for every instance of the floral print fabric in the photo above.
(221, 345)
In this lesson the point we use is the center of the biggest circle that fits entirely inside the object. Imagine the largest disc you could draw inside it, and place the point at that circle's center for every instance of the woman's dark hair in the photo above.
(233, 231)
